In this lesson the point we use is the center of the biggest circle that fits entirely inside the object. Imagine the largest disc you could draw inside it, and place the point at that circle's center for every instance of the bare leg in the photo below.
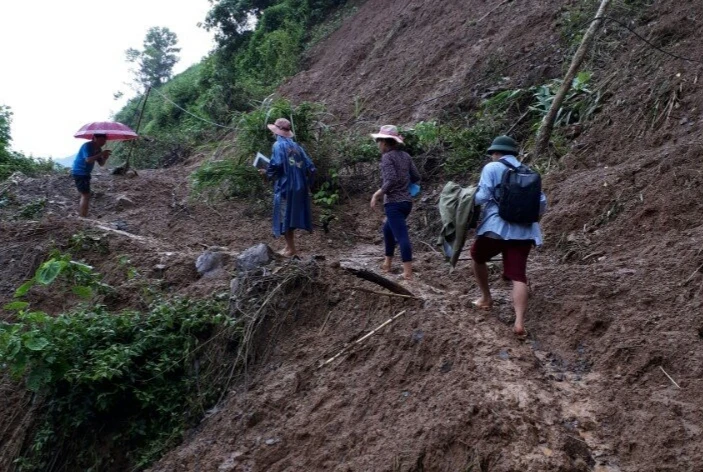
(520, 296)
(386, 266)
(407, 270)
(290, 243)
(481, 274)
(83, 206)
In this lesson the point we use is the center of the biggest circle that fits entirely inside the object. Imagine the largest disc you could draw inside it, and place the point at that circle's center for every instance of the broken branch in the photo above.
(672, 380)
(390, 294)
(362, 339)
(379, 280)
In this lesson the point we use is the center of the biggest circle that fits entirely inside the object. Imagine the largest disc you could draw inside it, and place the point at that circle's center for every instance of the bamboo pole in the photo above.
(362, 339)
(545, 129)
(127, 165)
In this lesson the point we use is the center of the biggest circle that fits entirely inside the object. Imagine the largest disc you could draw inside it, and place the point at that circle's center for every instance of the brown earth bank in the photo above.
(617, 289)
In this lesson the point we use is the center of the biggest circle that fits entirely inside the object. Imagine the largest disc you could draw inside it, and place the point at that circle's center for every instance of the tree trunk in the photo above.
(545, 129)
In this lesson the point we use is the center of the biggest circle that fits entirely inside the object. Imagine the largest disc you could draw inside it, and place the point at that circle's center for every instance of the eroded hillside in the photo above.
(616, 302)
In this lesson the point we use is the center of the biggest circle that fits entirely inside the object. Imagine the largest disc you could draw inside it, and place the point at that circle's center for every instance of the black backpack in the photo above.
(518, 194)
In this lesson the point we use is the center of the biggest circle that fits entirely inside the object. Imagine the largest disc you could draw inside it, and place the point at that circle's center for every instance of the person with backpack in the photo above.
(513, 203)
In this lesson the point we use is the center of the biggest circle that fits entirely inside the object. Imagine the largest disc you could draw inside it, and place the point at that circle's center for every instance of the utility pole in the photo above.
(545, 129)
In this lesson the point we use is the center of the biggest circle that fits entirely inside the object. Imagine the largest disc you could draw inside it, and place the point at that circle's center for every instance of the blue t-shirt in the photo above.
(80, 166)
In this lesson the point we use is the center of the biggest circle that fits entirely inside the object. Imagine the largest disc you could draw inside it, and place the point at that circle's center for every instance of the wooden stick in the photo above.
(390, 294)
(545, 129)
(672, 380)
(693, 275)
(491, 11)
(361, 339)
(379, 280)
(429, 246)
(327, 318)
(593, 254)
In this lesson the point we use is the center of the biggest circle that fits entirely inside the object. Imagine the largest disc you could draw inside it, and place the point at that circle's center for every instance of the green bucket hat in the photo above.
(504, 144)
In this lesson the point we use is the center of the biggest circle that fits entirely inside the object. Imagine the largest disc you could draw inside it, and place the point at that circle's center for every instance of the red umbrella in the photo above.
(115, 131)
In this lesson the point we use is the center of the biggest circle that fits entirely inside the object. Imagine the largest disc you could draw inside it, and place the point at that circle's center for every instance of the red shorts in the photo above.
(514, 253)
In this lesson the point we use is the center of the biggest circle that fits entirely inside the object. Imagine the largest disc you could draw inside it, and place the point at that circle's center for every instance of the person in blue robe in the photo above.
(291, 170)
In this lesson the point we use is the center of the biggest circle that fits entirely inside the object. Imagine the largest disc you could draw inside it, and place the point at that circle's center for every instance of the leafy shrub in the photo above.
(353, 149)
(79, 277)
(129, 379)
(467, 147)
(327, 197)
(252, 59)
(125, 378)
(32, 209)
(578, 106)
(227, 178)
(235, 176)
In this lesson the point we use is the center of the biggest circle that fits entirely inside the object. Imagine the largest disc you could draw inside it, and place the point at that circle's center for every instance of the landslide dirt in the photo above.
(617, 289)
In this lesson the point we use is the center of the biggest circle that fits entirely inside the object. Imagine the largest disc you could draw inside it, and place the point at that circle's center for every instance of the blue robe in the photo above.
(291, 170)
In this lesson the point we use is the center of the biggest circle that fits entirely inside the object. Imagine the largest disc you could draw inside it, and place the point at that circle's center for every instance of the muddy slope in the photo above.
(617, 289)
(393, 54)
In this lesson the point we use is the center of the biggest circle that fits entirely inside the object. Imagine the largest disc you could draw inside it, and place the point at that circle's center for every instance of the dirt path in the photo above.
(568, 389)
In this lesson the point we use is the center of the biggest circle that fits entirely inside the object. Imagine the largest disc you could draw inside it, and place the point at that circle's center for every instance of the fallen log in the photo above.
(384, 282)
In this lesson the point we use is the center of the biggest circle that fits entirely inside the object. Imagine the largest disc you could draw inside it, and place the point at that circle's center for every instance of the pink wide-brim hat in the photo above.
(388, 132)
(282, 127)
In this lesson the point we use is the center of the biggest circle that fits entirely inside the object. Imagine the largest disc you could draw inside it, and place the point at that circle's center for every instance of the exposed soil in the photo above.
(617, 289)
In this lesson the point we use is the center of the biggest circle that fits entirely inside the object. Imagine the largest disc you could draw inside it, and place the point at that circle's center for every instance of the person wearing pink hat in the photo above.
(397, 171)
(292, 171)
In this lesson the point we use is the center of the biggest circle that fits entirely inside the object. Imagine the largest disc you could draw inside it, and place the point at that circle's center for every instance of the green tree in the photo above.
(5, 120)
(232, 19)
(11, 161)
(155, 62)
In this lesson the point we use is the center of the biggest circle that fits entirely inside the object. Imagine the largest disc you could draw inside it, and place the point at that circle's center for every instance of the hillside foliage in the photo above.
(11, 161)
(260, 43)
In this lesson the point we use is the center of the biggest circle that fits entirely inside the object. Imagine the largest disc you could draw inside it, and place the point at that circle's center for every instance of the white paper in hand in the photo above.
(261, 161)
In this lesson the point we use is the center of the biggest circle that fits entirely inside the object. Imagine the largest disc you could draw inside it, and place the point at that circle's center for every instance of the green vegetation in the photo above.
(114, 390)
(80, 278)
(235, 176)
(31, 210)
(459, 145)
(580, 103)
(10, 161)
(574, 20)
(155, 62)
(327, 197)
(261, 42)
(128, 382)
(131, 376)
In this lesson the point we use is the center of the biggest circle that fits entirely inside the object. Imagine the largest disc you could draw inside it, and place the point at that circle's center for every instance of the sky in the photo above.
(61, 62)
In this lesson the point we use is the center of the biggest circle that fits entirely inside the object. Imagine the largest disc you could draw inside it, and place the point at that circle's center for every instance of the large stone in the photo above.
(122, 202)
(254, 257)
(210, 263)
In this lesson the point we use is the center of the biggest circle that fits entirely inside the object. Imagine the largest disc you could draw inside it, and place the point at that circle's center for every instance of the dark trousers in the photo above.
(396, 231)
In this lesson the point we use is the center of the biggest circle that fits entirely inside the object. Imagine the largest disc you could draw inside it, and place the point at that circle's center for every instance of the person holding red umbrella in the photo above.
(89, 153)
(92, 151)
